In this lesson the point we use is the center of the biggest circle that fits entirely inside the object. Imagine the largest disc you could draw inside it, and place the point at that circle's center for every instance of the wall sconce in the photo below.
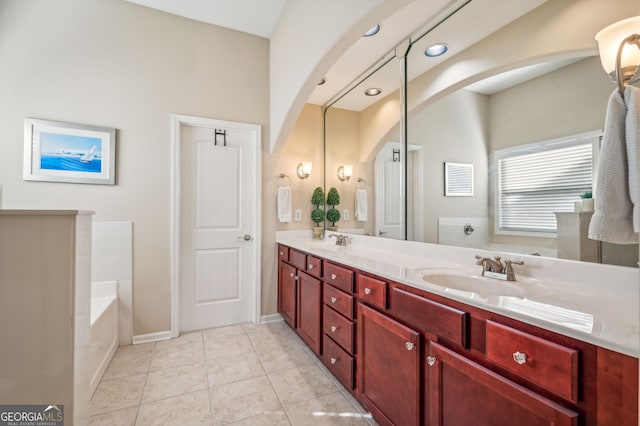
(345, 172)
(620, 63)
(303, 170)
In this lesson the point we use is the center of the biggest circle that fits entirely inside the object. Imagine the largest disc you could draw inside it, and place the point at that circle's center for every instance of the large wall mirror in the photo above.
(516, 115)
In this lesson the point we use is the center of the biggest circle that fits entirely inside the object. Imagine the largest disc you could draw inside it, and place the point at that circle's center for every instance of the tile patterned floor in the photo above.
(241, 375)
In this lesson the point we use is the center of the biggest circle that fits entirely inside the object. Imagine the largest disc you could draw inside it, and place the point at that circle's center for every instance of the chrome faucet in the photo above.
(494, 268)
(341, 240)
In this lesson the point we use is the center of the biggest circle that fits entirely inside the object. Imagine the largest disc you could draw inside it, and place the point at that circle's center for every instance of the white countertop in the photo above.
(598, 304)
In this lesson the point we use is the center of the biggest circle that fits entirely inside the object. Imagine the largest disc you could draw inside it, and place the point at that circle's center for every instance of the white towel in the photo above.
(361, 205)
(284, 203)
(632, 127)
(613, 218)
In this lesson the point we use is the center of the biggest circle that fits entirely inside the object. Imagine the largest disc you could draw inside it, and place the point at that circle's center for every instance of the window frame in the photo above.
(563, 142)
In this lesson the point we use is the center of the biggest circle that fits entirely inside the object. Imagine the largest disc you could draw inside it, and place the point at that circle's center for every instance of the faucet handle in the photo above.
(508, 269)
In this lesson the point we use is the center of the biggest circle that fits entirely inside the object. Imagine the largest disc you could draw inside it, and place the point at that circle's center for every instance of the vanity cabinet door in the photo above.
(388, 368)
(309, 310)
(287, 293)
(461, 392)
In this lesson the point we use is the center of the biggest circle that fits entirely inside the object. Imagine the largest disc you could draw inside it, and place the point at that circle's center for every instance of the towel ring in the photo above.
(363, 182)
(282, 176)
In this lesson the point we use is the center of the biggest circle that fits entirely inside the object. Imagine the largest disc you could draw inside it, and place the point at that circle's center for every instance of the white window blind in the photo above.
(534, 183)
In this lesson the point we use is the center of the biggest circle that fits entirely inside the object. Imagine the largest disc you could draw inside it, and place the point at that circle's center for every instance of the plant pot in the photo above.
(587, 204)
(317, 232)
(333, 228)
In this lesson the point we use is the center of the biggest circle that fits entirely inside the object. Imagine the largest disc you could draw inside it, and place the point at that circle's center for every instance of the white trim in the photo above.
(418, 191)
(271, 318)
(176, 121)
(152, 337)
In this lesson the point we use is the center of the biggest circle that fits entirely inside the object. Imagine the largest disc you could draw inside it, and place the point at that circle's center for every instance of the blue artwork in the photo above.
(70, 153)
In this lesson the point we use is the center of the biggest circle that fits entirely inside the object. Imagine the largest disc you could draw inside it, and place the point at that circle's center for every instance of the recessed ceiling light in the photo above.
(323, 81)
(373, 31)
(372, 92)
(437, 49)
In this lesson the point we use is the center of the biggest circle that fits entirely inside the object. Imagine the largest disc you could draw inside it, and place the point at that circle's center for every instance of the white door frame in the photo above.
(176, 121)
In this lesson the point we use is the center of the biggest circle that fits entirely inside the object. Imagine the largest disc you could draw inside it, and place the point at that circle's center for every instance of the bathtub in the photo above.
(104, 329)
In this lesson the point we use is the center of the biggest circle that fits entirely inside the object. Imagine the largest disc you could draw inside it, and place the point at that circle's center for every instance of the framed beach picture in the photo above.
(66, 152)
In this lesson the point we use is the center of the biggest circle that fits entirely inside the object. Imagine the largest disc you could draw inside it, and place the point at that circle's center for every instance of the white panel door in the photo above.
(389, 193)
(217, 215)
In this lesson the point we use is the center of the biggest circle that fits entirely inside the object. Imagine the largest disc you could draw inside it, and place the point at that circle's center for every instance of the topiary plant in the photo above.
(333, 215)
(333, 198)
(317, 199)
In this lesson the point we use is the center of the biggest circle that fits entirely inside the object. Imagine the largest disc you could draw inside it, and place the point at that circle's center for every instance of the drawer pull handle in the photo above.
(520, 357)
(431, 360)
(333, 328)
(333, 360)
(409, 345)
(334, 276)
(334, 300)
(310, 266)
(367, 290)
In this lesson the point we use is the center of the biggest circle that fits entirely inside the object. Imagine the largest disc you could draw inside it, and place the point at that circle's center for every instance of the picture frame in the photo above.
(56, 151)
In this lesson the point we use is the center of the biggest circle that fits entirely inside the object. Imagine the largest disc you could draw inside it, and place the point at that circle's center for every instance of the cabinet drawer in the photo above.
(338, 328)
(372, 291)
(314, 266)
(338, 300)
(338, 362)
(548, 364)
(428, 316)
(338, 276)
(283, 252)
(298, 259)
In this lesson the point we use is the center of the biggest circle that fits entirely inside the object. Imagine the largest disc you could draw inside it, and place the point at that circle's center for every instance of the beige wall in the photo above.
(111, 63)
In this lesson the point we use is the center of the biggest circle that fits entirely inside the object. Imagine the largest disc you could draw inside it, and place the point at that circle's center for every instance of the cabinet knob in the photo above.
(334, 300)
(333, 328)
(431, 360)
(291, 274)
(310, 266)
(334, 276)
(296, 278)
(520, 357)
(409, 345)
(281, 253)
(367, 290)
(333, 360)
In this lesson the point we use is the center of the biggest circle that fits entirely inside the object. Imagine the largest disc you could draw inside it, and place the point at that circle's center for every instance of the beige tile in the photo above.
(128, 363)
(122, 417)
(139, 348)
(331, 409)
(271, 327)
(174, 381)
(218, 332)
(188, 409)
(275, 418)
(278, 358)
(188, 337)
(177, 355)
(238, 344)
(117, 393)
(301, 384)
(234, 368)
(240, 400)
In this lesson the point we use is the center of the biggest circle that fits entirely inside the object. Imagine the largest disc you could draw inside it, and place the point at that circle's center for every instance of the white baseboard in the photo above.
(271, 318)
(152, 337)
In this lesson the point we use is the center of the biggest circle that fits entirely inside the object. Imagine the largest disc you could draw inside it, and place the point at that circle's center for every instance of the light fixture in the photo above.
(437, 49)
(616, 60)
(303, 170)
(372, 92)
(345, 172)
(373, 31)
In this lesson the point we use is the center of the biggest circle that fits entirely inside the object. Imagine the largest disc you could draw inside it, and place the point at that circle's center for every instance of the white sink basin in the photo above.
(481, 286)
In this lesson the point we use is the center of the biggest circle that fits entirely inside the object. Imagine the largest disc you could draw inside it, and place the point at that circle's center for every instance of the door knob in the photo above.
(246, 237)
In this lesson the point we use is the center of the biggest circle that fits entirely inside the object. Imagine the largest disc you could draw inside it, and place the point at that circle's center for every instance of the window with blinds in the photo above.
(538, 180)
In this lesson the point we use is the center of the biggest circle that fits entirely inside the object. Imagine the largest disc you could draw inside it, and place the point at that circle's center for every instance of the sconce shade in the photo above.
(345, 172)
(609, 40)
(303, 170)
